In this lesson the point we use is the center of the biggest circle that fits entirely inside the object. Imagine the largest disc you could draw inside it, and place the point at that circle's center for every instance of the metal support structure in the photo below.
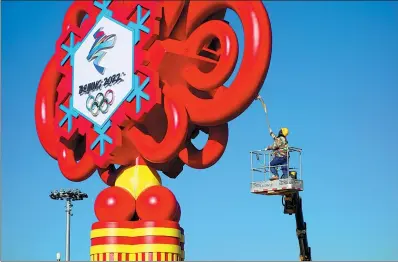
(68, 215)
(69, 196)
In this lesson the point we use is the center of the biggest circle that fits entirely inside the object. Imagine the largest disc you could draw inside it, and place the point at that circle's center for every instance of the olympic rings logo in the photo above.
(100, 103)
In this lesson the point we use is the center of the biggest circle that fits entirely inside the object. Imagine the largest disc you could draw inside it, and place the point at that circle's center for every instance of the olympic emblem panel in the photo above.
(103, 69)
(106, 83)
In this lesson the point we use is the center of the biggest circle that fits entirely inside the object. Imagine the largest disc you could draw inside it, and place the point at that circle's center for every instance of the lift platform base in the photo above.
(277, 187)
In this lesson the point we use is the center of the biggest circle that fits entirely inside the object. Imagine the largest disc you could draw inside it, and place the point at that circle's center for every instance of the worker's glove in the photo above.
(258, 97)
(267, 148)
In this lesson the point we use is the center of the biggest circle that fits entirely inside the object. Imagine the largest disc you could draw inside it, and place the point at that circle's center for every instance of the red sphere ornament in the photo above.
(114, 204)
(156, 203)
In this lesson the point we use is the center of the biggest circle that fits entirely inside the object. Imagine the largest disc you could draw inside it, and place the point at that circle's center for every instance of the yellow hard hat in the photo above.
(284, 131)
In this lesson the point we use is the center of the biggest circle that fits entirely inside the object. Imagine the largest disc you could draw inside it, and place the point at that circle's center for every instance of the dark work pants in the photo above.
(279, 161)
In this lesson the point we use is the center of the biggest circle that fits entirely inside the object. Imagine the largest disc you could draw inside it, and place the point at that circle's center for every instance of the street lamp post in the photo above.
(69, 196)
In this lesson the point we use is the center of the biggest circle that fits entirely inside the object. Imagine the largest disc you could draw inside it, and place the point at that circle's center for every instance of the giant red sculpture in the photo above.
(131, 83)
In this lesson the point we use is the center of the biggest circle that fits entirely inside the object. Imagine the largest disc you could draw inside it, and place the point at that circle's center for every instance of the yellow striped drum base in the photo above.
(137, 241)
(148, 256)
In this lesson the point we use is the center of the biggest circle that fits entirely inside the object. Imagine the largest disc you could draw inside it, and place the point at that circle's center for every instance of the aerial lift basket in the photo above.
(261, 174)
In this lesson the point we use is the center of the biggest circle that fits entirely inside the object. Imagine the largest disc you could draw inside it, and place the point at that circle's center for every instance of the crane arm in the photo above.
(301, 230)
(293, 204)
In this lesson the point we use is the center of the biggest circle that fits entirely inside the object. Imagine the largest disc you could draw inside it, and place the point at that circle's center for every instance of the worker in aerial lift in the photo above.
(280, 148)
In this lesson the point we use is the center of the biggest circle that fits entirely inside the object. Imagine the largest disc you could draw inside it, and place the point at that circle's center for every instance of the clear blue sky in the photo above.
(333, 81)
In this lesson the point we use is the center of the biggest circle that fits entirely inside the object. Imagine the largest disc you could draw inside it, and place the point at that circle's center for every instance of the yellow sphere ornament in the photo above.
(138, 178)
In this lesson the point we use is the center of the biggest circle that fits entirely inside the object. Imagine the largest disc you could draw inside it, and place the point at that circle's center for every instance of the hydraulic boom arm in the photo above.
(293, 204)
